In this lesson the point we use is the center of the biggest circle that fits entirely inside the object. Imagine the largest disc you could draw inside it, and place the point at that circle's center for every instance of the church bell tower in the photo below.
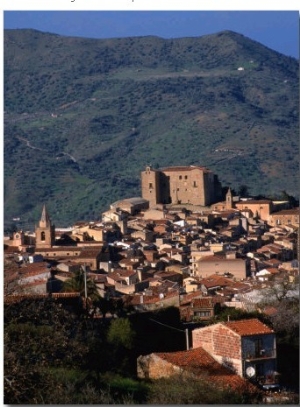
(45, 231)
(229, 204)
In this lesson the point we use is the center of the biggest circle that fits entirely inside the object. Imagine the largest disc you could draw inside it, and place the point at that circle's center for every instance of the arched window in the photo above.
(43, 236)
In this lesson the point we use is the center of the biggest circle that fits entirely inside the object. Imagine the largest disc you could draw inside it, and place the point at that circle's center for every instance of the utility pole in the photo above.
(85, 284)
(187, 339)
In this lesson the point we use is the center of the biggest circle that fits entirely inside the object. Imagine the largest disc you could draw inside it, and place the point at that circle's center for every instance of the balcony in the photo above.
(262, 354)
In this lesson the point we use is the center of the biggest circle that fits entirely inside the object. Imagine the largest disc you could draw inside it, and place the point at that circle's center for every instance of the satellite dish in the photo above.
(250, 371)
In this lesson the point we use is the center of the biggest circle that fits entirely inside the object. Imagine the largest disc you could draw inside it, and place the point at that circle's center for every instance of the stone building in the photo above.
(196, 363)
(192, 185)
(285, 217)
(45, 231)
(248, 347)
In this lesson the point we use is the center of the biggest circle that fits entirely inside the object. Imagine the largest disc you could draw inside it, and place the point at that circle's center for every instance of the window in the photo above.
(258, 346)
(43, 236)
(150, 185)
(194, 184)
(202, 314)
(180, 176)
(185, 177)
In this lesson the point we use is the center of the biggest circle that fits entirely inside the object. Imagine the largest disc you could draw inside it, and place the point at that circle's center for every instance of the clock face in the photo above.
(250, 371)
(17, 236)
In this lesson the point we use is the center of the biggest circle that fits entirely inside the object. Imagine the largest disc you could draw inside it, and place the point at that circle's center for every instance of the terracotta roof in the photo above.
(11, 249)
(216, 281)
(246, 327)
(202, 302)
(293, 211)
(184, 168)
(58, 249)
(121, 273)
(199, 362)
(214, 258)
(255, 202)
(20, 297)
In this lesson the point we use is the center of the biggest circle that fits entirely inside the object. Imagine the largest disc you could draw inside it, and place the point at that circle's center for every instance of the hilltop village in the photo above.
(178, 245)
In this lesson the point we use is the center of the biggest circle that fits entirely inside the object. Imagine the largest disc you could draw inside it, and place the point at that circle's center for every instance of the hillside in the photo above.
(83, 117)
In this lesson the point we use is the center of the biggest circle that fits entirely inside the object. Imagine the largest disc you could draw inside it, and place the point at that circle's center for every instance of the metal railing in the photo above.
(260, 354)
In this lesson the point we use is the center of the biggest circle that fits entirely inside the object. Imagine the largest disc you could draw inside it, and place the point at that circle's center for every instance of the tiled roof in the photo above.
(185, 168)
(293, 211)
(202, 302)
(20, 297)
(214, 258)
(254, 202)
(246, 327)
(11, 249)
(198, 362)
(216, 281)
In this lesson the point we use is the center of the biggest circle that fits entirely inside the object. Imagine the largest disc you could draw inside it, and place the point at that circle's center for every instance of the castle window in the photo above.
(185, 177)
(43, 237)
(194, 184)
(180, 176)
(150, 185)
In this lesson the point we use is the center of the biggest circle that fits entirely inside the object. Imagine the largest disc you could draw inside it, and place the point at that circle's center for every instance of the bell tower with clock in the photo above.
(45, 231)
(18, 238)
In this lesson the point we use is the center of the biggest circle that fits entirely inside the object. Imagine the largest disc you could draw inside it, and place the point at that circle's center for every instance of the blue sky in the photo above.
(278, 30)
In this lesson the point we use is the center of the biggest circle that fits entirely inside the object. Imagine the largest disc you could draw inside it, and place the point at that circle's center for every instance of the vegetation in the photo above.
(54, 343)
(77, 284)
(78, 134)
(55, 354)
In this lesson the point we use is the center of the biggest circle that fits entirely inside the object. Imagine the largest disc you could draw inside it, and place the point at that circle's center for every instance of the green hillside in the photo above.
(83, 117)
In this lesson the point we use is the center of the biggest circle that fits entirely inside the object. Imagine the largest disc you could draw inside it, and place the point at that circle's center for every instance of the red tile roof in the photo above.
(198, 362)
(185, 168)
(246, 327)
(203, 302)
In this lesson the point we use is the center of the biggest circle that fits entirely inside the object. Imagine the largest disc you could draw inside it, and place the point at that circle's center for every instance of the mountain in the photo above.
(83, 117)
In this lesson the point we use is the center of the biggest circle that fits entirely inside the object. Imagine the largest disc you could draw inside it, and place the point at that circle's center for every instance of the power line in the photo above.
(168, 326)
(186, 331)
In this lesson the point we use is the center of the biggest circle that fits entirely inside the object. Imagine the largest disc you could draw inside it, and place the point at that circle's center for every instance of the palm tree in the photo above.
(77, 284)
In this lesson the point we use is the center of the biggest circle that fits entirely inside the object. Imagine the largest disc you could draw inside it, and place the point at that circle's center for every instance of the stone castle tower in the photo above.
(192, 185)
(45, 231)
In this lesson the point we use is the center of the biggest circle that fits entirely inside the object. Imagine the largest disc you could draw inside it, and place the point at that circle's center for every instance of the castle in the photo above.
(192, 185)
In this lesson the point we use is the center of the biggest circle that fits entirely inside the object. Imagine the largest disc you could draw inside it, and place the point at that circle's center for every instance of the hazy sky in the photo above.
(278, 30)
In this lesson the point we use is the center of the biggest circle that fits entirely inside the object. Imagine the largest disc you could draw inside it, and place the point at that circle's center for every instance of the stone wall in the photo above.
(222, 344)
(153, 367)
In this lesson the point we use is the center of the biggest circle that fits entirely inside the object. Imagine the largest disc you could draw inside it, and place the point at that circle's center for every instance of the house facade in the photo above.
(208, 265)
(191, 363)
(247, 347)
(285, 217)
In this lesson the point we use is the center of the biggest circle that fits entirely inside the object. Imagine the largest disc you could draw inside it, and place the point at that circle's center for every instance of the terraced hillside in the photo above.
(83, 117)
